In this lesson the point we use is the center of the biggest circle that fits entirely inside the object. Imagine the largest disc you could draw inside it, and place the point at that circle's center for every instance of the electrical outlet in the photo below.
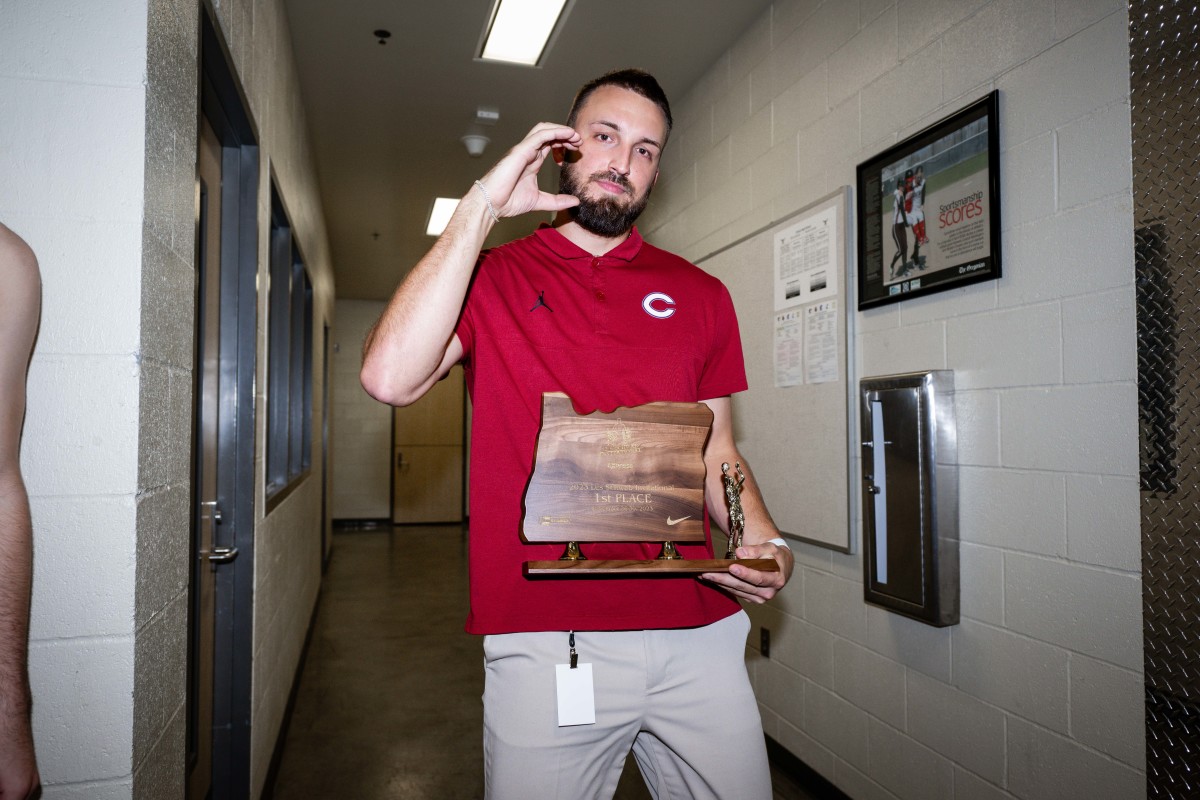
(764, 642)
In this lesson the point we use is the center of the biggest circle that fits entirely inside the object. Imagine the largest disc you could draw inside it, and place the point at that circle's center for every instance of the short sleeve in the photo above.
(464, 329)
(724, 370)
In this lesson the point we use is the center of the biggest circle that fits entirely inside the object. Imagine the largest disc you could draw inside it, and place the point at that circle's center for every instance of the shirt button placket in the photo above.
(599, 304)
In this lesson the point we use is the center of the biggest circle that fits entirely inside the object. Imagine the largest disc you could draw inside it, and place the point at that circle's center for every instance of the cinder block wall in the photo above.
(71, 156)
(1038, 692)
(98, 157)
(361, 465)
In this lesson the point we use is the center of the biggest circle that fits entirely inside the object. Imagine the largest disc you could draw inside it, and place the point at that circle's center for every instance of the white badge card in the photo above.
(576, 699)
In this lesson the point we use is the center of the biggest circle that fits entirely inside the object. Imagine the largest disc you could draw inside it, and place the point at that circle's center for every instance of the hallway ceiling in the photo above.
(386, 120)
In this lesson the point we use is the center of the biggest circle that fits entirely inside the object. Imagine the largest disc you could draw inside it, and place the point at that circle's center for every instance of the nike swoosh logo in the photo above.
(676, 521)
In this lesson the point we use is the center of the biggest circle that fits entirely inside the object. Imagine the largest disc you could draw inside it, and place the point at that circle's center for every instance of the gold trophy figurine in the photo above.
(733, 498)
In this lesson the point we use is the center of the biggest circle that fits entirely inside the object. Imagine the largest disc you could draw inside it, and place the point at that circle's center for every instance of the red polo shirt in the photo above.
(633, 326)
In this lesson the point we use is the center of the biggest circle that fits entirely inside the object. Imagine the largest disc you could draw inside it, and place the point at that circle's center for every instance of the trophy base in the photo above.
(658, 566)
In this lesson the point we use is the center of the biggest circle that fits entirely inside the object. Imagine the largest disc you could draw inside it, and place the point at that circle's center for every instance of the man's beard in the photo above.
(607, 216)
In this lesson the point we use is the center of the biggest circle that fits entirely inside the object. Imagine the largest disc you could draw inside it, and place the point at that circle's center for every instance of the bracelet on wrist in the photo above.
(779, 541)
(487, 199)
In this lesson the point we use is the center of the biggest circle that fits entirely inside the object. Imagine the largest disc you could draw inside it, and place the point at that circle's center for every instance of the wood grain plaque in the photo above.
(630, 475)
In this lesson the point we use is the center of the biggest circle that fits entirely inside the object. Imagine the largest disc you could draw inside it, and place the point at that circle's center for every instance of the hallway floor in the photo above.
(389, 702)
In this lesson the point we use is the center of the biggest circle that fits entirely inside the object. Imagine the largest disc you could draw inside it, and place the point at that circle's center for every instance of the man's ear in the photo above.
(654, 182)
(558, 154)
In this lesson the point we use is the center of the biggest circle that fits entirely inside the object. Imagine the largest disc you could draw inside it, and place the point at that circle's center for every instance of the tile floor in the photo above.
(389, 702)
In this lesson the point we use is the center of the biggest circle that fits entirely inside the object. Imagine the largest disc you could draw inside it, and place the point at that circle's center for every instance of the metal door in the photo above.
(206, 514)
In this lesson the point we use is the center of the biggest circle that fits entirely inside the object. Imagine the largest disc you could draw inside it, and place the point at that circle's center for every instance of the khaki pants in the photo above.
(680, 699)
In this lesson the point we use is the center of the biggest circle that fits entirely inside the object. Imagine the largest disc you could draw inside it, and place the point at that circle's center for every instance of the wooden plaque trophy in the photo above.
(632, 475)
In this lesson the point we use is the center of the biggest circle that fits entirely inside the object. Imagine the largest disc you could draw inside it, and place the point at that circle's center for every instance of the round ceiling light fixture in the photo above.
(382, 34)
(475, 144)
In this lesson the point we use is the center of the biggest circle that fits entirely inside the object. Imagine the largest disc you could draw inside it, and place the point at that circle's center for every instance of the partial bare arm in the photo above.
(20, 303)
(413, 345)
(743, 582)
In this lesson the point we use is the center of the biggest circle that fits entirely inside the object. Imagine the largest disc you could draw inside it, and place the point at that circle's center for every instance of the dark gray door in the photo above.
(206, 513)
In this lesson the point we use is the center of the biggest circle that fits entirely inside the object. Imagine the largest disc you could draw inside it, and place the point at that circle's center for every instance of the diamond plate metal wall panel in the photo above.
(1165, 100)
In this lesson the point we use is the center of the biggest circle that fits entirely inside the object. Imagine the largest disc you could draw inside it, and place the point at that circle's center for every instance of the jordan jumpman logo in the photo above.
(541, 303)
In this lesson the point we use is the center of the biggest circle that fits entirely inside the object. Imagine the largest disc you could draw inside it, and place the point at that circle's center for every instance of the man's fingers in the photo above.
(749, 584)
(547, 133)
(756, 579)
(744, 580)
(782, 555)
(740, 588)
(512, 182)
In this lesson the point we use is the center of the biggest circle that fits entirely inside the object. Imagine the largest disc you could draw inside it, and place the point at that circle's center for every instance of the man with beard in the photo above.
(588, 308)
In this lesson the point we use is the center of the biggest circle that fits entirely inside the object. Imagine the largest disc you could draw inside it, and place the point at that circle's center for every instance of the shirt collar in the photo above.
(563, 247)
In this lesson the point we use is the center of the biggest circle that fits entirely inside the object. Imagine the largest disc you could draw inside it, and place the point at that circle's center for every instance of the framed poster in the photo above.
(929, 209)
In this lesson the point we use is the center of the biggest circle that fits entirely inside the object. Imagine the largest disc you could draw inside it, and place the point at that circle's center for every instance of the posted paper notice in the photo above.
(806, 260)
(789, 348)
(821, 342)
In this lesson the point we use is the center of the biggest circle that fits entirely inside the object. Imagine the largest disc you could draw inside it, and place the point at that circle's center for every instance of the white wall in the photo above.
(362, 460)
(97, 156)
(71, 157)
(1038, 692)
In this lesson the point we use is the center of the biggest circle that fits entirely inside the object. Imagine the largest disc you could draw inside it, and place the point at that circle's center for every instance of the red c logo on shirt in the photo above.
(648, 305)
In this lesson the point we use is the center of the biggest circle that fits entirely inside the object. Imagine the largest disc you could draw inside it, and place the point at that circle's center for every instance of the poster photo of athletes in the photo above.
(928, 209)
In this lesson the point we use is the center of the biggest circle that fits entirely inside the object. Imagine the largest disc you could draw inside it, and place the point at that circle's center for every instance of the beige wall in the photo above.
(287, 561)
(362, 460)
(98, 150)
(1038, 692)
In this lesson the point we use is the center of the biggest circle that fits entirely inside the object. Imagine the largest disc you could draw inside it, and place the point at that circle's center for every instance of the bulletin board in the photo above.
(791, 285)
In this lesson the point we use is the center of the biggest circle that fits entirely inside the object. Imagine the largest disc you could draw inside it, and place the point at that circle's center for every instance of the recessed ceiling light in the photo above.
(439, 215)
(518, 31)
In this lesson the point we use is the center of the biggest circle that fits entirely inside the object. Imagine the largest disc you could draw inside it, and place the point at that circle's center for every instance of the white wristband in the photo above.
(778, 542)
(488, 200)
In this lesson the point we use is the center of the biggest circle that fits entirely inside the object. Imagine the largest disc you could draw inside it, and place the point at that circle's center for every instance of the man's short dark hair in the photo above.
(635, 80)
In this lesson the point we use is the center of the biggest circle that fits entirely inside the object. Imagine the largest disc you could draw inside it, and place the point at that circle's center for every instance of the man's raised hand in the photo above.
(512, 184)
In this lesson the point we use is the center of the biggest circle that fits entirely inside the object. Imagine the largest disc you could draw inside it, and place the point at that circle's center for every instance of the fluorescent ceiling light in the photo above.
(520, 29)
(443, 207)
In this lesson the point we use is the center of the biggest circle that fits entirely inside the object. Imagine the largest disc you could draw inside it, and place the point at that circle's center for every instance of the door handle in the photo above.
(223, 555)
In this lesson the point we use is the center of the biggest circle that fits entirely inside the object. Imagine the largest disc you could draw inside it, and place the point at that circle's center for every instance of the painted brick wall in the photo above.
(1038, 692)
(71, 157)
(97, 154)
